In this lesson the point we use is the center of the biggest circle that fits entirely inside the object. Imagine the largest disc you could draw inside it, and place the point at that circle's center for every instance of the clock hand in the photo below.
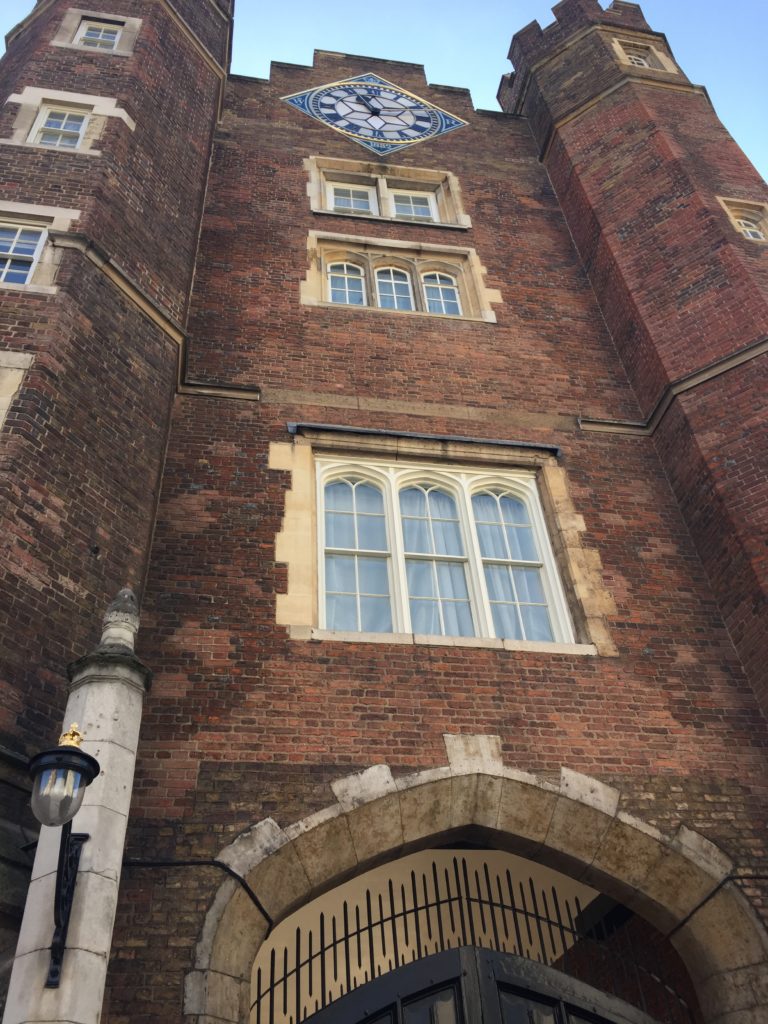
(366, 103)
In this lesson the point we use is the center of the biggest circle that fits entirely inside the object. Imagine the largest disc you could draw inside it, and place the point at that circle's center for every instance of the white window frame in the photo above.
(51, 108)
(87, 23)
(750, 227)
(434, 213)
(32, 260)
(409, 280)
(461, 483)
(453, 284)
(637, 59)
(345, 264)
(373, 200)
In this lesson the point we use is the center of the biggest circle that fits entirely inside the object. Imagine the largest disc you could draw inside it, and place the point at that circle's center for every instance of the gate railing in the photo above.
(460, 900)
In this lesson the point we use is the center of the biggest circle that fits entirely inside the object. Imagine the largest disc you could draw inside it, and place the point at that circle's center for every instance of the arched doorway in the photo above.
(680, 883)
(463, 936)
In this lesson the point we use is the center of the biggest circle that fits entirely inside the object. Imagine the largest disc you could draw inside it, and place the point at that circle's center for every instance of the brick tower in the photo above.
(669, 218)
(106, 121)
(449, 527)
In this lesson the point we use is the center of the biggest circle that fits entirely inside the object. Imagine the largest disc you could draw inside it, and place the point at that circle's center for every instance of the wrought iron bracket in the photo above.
(70, 848)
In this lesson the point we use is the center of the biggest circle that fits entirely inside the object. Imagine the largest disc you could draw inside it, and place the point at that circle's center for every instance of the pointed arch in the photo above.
(682, 884)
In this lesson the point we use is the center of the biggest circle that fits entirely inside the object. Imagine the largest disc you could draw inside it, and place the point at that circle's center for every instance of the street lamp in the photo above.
(60, 777)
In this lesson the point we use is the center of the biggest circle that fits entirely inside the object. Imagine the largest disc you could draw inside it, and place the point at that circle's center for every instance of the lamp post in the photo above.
(106, 693)
(60, 777)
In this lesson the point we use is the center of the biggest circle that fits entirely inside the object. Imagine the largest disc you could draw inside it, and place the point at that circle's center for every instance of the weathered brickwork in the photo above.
(680, 288)
(115, 480)
(84, 439)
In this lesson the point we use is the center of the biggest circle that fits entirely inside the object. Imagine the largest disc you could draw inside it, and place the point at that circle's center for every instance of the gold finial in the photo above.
(72, 738)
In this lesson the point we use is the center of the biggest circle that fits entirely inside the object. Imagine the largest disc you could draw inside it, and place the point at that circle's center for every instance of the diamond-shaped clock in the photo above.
(379, 115)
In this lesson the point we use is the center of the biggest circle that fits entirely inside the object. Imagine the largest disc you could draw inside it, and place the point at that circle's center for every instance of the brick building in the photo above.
(432, 443)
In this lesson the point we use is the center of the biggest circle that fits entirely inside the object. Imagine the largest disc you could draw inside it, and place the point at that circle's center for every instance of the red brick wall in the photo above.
(82, 448)
(637, 174)
(243, 722)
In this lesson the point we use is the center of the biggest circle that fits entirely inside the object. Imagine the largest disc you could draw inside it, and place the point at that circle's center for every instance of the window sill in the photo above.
(488, 319)
(96, 50)
(394, 220)
(51, 149)
(33, 289)
(532, 646)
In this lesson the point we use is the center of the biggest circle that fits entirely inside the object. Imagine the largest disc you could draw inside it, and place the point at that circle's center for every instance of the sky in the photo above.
(708, 39)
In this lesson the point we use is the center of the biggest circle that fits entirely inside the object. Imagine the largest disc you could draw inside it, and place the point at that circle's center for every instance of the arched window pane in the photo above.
(437, 586)
(394, 289)
(346, 284)
(515, 592)
(442, 294)
(356, 583)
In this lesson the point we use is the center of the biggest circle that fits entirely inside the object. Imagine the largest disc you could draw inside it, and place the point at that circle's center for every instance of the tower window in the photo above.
(97, 31)
(437, 552)
(59, 128)
(643, 55)
(750, 228)
(20, 248)
(98, 35)
(639, 60)
(748, 218)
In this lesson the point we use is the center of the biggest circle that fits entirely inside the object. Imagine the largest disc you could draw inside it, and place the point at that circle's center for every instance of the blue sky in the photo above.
(719, 45)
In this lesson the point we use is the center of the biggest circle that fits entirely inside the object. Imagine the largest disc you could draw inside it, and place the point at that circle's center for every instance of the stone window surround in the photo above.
(44, 217)
(580, 568)
(33, 99)
(383, 179)
(658, 60)
(13, 366)
(416, 258)
(754, 209)
(129, 29)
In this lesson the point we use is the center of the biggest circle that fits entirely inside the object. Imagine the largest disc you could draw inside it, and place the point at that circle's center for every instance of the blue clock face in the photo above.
(375, 113)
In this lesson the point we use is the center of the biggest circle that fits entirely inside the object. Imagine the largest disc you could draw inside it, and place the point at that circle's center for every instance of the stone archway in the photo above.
(681, 883)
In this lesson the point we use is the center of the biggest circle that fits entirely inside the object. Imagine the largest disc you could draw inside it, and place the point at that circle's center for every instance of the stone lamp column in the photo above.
(106, 693)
